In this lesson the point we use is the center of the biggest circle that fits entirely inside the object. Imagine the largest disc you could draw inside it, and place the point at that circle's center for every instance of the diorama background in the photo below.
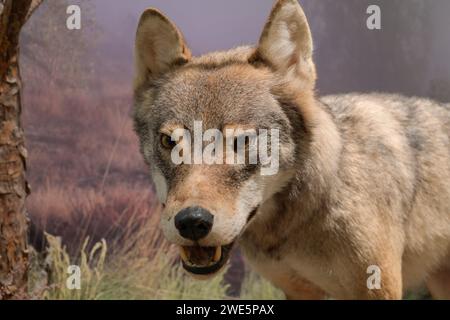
(87, 176)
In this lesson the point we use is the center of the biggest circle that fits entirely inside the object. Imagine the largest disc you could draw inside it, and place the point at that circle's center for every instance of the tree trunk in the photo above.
(13, 185)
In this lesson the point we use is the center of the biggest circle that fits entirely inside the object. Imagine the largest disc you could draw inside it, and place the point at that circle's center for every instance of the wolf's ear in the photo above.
(286, 43)
(159, 46)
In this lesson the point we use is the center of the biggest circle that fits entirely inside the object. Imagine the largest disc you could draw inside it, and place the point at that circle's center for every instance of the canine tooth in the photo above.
(183, 254)
(217, 254)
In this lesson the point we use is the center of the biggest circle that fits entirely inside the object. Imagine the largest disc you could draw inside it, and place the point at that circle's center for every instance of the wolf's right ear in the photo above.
(286, 43)
(159, 46)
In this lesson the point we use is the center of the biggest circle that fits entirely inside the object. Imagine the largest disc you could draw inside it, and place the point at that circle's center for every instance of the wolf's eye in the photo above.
(167, 142)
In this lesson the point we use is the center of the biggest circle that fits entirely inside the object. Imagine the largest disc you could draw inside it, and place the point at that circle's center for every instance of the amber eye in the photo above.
(167, 142)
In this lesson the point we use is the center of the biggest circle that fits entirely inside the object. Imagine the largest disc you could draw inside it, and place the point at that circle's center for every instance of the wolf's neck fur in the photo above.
(312, 182)
(305, 196)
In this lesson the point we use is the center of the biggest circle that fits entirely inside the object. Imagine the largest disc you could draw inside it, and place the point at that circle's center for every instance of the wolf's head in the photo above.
(271, 87)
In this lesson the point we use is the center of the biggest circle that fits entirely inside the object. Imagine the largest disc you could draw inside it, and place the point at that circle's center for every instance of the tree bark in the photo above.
(13, 185)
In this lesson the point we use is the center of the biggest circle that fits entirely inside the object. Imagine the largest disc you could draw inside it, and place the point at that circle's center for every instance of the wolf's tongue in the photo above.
(199, 255)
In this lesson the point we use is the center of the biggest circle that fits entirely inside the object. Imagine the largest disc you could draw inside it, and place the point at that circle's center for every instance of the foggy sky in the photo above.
(410, 51)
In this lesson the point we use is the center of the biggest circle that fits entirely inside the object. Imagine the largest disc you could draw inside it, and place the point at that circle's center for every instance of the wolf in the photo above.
(360, 205)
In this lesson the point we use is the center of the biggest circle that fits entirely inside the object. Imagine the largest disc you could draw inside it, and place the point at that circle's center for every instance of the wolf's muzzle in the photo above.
(194, 223)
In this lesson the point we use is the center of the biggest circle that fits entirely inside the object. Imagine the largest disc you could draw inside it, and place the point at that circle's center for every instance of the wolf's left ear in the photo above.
(286, 42)
(159, 46)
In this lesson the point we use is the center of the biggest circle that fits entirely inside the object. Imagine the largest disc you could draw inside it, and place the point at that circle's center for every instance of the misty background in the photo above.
(86, 174)
(408, 55)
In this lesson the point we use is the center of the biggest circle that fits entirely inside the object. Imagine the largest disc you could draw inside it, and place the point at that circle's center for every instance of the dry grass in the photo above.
(141, 266)
(58, 261)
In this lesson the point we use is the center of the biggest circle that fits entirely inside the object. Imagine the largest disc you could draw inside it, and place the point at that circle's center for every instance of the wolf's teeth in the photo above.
(183, 254)
(217, 254)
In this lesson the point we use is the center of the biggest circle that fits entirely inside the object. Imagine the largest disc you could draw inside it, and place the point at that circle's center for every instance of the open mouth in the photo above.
(204, 260)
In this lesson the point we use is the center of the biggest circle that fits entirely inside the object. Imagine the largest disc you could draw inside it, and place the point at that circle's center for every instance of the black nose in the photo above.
(194, 223)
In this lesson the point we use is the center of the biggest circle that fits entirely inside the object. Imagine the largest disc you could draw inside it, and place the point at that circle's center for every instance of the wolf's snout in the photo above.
(194, 223)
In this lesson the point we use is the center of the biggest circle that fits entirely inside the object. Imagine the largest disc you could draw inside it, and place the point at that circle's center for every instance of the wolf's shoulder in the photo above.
(381, 119)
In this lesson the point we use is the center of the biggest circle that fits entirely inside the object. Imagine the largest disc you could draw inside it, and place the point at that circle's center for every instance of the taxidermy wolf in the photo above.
(362, 186)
